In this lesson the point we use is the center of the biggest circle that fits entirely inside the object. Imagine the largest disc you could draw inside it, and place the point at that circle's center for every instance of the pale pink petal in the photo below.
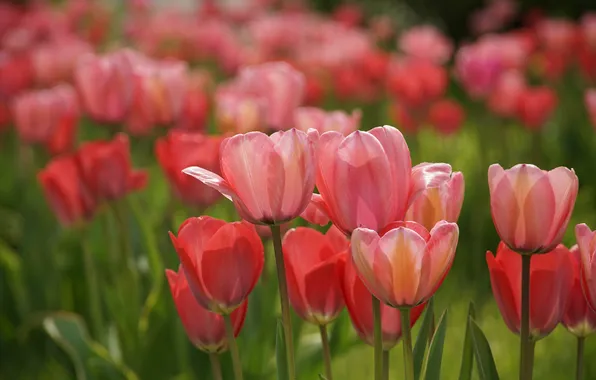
(212, 180)
(565, 185)
(316, 211)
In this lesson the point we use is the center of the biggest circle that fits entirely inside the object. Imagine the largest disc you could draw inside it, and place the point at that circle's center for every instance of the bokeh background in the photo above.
(43, 285)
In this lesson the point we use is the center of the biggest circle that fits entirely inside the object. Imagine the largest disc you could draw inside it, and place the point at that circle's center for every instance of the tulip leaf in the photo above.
(423, 338)
(435, 350)
(321, 377)
(467, 361)
(280, 352)
(487, 370)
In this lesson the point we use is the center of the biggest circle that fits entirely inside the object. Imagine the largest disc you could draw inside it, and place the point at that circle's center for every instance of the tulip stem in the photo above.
(93, 290)
(236, 363)
(378, 338)
(326, 351)
(526, 343)
(215, 366)
(579, 363)
(406, 333)
(385, 365)
(283, 296)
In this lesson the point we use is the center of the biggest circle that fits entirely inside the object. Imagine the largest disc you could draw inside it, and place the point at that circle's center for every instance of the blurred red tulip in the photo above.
(48, 117)
(416, 83)
(273, 196)
(16, 74)
(306, 118)
(531, 207)
(222, 261)
(426, 42)
(5, 116)
(590, 102)
(313, 279)
(358, 301)
(406, 119)
(314, 92)
(551, 279)
(446, 115)
(350, 15)
(195, 106)
(479, 67)
(536, 105)
(375, 64)
(51, 68)
(66, 191)
(89, 19)
(404, 267)
(557, 35)
(179, 150)
(107, 168)
(578, 319)
(586, 240)
(205, 329)
(504, 98)
(586, 58)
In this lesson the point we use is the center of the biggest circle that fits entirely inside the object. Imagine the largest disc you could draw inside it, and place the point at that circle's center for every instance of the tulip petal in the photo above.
(545, 312)
(327, 147)
(316, 211)
(503, 293)
(565, 186)
(322, 291)
(212, 180)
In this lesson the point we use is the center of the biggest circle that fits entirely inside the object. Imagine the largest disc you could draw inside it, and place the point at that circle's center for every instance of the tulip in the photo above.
(531, 207)
(66, 192)
(16, 73)
(403, 267)
(536, 105)
(551, 280)
(48, 117)
(179, 150)
(204, 328)
(590, 101)
(313, 214)
(306, 118)
(426, 43)
(586, 240)
(107, 170)
(311, 262)
(446, 116)
(272, 196)
(222, 261)
(364, 178)
(417, 83)
(51, 68)
(557, 35)
(438, 194)
(579, 319)
(238, 112)
(407, 121)
(359, 304)
(195, 107)
(505, 97)
(478, 67)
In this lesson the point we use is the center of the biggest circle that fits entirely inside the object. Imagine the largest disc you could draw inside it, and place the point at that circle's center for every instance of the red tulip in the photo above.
(350, 15)
(48, 117)
(416, 83)
(204, 328)
(504, 99)
(359, 304)
(447, 116)
(107, 170)
(590, 101)
(272, 196)
(222, 261)
(536, 105)
(404, 266)
(364, 178)
(405, 119)
(306, 118)
(426, 43)
(586, 240)
(179, 150)
(438, 194)
(578, 319)
(16, 73)
(311, 260)
(557, 35)
(195, 107)
(531, 207)
(551, 279)
(66, 192)
(51, 68)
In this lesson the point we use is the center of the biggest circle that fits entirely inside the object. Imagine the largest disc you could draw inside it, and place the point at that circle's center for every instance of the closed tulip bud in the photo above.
(437, 194)
(222, 261)
(364, 178)
(404, 266)
(359, 304)
(531, 207)
(306, 118)
(579, 319)
(107, 169)
(311, 260)
(551, 279)
(536, 105)
(179, 150)
(66, 192)
(447, 116)
(205, 329)
(586, 240)
(270, 179)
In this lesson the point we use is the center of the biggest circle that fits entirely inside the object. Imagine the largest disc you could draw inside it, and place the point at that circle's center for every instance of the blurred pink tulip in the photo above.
(531, 207)
(494, 16)
(579, 319)
(238, 112)
(270, 179)
(504, 99)
(557, 35)
(51, 68)
(586, 240)
(478, 68)
(405, 266)
(306, 118)
(427, 43)
(590, 102)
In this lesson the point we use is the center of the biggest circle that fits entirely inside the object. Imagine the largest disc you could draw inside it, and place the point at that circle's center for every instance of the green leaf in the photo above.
(487, 370)
(321, 377)
(12, 263)
(435, 351)
(467, 360)
(423, 338)
(280, 352)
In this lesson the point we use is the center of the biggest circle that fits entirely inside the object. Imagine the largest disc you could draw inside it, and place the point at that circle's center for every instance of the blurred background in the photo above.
(468, 82)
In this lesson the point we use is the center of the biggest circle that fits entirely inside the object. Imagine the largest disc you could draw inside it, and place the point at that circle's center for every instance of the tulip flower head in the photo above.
(426, 43)
(579, 319)
(306, 118)
(586, 240)
(531, 207)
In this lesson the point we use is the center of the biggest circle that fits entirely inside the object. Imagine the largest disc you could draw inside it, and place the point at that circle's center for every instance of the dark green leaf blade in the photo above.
(467, 360)
(435, 351)
(423, 338)
(487, 370)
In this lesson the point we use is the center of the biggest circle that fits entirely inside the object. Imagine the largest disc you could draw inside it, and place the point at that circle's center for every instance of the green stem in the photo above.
(385, 365)
(326, 351)
(93, 290)
(236, 363)
(526, 344)
(215, 366)
(285, 304)
(378, 338)
(125, 244)
(579, 363)
(406, 334)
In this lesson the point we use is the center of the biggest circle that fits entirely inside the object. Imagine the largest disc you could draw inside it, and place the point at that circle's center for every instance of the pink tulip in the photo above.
(558, 35)
(364, 178)
(504, 98)
(270, 179)
(478, 67)
(405, 266)
(586, 240)
(590, 101)
(306, 118)
(238, 112)
(313, 214)
(51, 68)
(579, 319)
(427, 43)
(437, 194)
(531, 207)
